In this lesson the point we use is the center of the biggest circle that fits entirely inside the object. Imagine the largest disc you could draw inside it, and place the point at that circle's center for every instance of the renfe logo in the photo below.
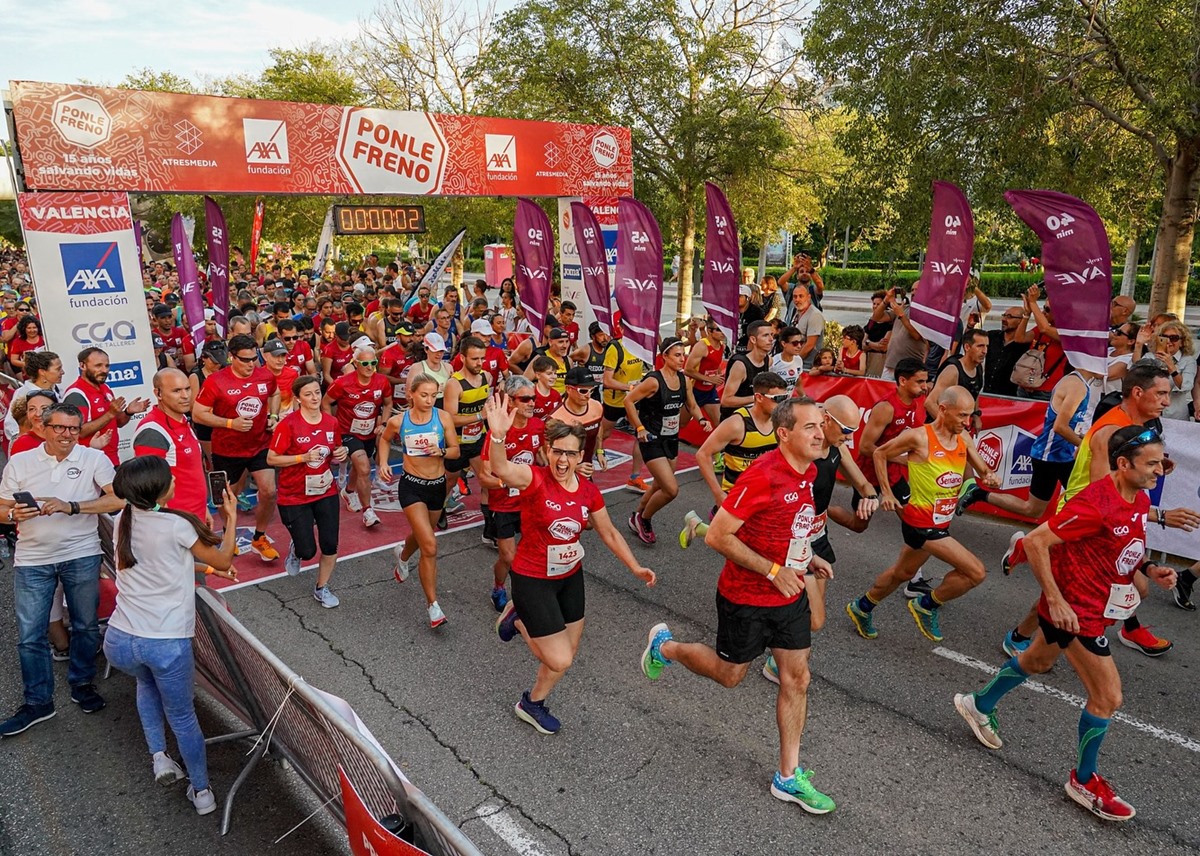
(93, 268)
(125, 374)
(501, 152)
(266, 140)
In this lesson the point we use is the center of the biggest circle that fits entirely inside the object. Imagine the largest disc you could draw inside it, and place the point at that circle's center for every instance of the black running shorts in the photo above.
(547, 606)
(744, 632)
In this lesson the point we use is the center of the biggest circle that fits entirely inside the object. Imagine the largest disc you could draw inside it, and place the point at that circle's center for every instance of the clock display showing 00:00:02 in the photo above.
(379, 219)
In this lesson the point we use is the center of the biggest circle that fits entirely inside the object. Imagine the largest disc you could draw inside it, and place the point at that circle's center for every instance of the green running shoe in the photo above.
(799, 789)
(691, 525)
(927, 620)
(653, 661)
(863, 622)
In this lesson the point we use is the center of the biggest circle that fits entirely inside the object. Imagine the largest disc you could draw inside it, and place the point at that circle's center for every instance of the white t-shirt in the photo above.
(1107, 385)
(790, 372)
(156, 598)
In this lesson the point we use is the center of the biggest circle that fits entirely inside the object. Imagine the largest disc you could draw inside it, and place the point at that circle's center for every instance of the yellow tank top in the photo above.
(755, 443)
(470, 402)
(935, 483)
(1081, 471)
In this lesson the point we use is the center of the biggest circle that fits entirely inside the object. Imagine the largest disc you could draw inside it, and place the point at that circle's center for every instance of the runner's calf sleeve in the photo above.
(1007, 679)
(1091, 734)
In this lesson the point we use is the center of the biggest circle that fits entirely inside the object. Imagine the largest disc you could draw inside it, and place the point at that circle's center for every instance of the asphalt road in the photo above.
(678, 766)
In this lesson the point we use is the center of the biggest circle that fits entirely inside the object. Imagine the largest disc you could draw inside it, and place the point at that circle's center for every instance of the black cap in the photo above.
(172, 297)
(217, 352)
(274, 347)
(160, 310)
(594, 328)
(559, 333)
(342, 330)
(579, 376)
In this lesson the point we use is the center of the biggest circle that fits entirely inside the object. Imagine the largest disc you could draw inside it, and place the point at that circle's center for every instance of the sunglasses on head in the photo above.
(1146, 438)
(524, 399)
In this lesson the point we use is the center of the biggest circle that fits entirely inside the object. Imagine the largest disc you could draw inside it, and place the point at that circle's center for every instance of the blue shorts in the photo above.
(705, 396)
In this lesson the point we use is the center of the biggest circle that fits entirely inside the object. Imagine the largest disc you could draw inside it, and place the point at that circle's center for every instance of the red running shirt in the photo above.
(299, 356)
(521, 447)
(295, 435)
(551, 520)
(778, 514)
(339, 358)
(176, 343)
(163, 437)
(93, 402)
(1104, 543)
(358, 406)
(230, 396)
(903, 417)
(544, 405)
(29, 440)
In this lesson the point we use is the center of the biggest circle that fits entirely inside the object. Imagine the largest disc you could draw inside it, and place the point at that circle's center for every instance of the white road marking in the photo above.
(1074, 700)
(512, 833)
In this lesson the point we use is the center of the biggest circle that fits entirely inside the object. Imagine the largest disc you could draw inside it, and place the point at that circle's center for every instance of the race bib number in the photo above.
(1122, 601)
(420, 445)
(799, 554)
(561, 558)
(470, 432)
(362, 426)
(512, 491)
(943, 510)
(818, 530)
(318, 484)
(670, 425)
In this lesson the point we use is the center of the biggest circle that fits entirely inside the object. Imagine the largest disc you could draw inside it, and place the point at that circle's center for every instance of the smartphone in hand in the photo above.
(25, 498)
(218, 483)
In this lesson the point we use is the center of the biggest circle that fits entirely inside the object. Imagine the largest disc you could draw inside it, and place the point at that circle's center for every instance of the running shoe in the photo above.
(370, 518)
(60, 655)
(263, 547)
(985, 725)
(166, 771)
(641, 528)
(1098, 797)
(454, 505)
(927, 620)
(325, 597)
(443, 522)
(1145, 641)
(27, 716)
(1183, 594)
(864, 622)
(490, 542)
(798, 788)
(537, 714)
(1014, 555)
(506, 624)
(244, 503)
(499, 598)
(771, 669)
(352, 501)
(691, 521)
(917, 587)
(292, 563)
(653, 661)
(969, 494)
(403, 566)
(87, 698)
(205, 802)
(719, 462)
(1012, 647)
(436, 617)
(637, 484)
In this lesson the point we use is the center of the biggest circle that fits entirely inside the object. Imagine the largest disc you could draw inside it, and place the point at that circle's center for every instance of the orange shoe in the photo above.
(1145, 641)
(264, 549)
(637, 484)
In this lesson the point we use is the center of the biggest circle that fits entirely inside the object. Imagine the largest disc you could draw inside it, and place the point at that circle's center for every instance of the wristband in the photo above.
(208, 570)
(774, 572)
(228, 423)
(299, 459)
(74, 508)
(498, 440)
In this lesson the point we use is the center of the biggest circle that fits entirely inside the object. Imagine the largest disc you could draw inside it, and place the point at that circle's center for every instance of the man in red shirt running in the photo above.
(363, 399)
(100, 408)
(166, 433)
(177, 342)
(1085, 559)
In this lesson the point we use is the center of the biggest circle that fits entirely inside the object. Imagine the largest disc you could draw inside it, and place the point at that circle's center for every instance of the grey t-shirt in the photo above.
(903, 345)
(811, 323)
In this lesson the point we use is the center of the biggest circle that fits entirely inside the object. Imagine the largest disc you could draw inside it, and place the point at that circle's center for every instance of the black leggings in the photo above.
(324, 513)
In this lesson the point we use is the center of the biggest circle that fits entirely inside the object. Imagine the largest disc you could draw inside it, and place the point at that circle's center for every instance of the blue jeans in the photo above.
(165, 673)
(33, 587)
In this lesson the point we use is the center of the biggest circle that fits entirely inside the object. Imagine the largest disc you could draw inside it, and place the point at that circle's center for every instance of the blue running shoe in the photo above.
(927, 620)
(506, 624)
(499, 598)
(771, 669)
(863, 622)
(537, 714)
(653, 662)
(1012, 647)
(798, 788)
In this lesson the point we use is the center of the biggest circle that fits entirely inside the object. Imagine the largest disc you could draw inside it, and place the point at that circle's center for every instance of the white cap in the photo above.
(745, 291)
(482, 326)
(210, 314)
(434, 342)
(363, 341)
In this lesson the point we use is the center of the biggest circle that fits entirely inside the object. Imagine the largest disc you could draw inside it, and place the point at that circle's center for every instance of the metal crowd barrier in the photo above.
(284, 712)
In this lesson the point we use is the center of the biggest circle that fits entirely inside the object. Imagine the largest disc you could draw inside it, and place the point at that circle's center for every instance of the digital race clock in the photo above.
(378, 219)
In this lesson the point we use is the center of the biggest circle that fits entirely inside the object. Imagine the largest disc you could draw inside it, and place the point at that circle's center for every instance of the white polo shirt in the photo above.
(79, 477)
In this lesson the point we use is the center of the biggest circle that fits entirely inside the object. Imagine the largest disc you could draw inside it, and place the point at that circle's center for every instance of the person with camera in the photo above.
(905, 341)
(806, 277)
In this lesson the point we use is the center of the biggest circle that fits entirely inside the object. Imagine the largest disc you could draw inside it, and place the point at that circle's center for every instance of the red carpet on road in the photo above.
(356, 540)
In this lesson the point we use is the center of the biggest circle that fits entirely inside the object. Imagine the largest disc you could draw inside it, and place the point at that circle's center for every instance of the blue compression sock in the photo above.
(1009, 678)
(1091, 734)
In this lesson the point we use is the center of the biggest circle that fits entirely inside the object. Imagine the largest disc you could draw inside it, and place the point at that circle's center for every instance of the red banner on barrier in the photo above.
(368, 837)
(92, 138)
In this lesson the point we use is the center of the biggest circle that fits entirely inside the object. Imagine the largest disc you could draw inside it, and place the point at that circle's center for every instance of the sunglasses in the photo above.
(367, 362)
(1146, 438)
(289, 338)
(525, 399)
(846, 430)
(1172, 337)
(778, 397)
(242, 359)
(1117, 331)
(583, 390)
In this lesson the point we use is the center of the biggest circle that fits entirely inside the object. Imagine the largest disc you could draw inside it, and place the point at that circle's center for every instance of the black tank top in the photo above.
(389, 331)
(595, 366)
(827, 469)
(972, 385)
(747, 386)
(660, 412)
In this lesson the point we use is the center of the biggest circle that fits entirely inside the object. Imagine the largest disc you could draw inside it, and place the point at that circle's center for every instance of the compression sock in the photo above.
(1131, 624)
(1017, 637)
(928, 601)
(1187, 577)
(258, 533)
(1008, 678)
(1091, 734)
(866, 604)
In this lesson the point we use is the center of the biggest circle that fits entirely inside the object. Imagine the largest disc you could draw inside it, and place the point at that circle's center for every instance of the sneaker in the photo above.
(263, 547)
(1145, 641)
(87, 698)
(864, 622)
(204, 801)
(166, 771)
(325, 597)
(1183, 594)
(454, 505)
(499, 598)
(719, 462)
(969, 494)
(403, 566)
(917, 587)
(352, 501)
(60, 655)
(292, 563)
(27, 716)
(243, 502)
(537, 714)
(436, 617)
(927, 620)
(1012, 647)
(771, 669)
(641, 528)
(798, 788)
(1098, 797)
(490, 542)
(443, 521)
(637, 484)
(506, 624)
(1014, 555)
(985, 725)
(370, 518)
(653, 661)
(691, 520)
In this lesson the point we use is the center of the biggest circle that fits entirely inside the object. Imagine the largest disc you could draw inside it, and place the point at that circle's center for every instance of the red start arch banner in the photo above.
(95, 138)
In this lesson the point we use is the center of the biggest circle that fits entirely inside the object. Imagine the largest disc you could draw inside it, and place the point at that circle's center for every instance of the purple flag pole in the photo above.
(218, 262)
(722, 263)
(1078, 267)
(533, 245)
(639, 277)
(937, 302)
(593, 262)
(189, 281)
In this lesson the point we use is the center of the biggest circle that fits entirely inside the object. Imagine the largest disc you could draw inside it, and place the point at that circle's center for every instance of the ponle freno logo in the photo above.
(391, 151)
(81, 120)
(605, 149)
(266, 141)
(500, 150)
(991, 449)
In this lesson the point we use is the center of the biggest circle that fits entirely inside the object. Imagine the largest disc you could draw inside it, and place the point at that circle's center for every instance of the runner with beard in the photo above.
(100, 408)
(465, 393)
